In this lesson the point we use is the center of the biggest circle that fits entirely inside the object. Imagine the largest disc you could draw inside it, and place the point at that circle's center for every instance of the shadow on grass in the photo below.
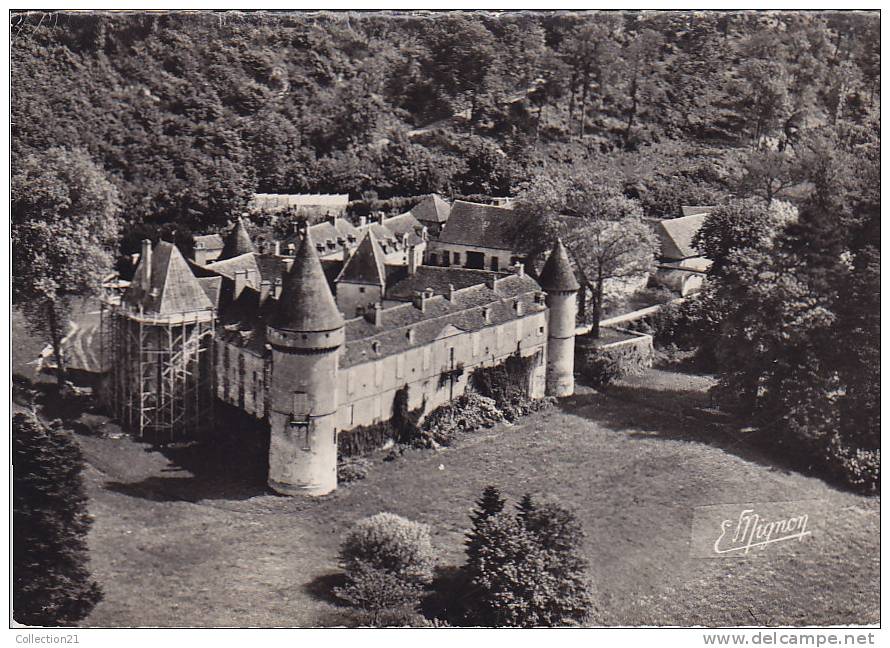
(683, 415)
(231, 462)
(321, 588)
(676, 415)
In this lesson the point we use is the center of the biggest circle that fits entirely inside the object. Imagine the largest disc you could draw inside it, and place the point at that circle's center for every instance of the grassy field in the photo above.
(183, 542)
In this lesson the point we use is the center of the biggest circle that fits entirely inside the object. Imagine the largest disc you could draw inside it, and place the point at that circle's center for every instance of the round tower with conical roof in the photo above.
(305, 334)
(559, 282)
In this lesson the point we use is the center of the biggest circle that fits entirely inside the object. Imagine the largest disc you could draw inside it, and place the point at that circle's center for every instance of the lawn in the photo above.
(188, 539)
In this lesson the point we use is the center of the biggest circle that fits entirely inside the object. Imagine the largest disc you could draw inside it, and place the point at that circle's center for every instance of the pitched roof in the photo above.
(480, 226)
(406, 223)
(366, 265)
(432, 209)
(306, 302)
(557, 273)
(209, 242)
(228, 267)
(676, 236)
(464, 313)
(171, 287)
(237, 241)
(401, 286)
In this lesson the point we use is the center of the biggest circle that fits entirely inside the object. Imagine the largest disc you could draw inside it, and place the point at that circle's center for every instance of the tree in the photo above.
(769, 174)
(601, 227)
(64, 224)
(526, 569)
(52, 584)
(590, 52)
(639, 61)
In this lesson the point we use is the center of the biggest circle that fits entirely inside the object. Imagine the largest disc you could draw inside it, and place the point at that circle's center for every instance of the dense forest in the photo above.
(189, 113)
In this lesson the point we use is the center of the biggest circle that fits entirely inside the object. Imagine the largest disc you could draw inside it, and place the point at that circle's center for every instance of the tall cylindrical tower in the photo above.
(559, 282)
(305, 334)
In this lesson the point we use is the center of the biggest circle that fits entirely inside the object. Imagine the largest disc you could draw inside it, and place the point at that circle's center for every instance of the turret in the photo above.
(305, 334)
(237, 241)
(561, 286)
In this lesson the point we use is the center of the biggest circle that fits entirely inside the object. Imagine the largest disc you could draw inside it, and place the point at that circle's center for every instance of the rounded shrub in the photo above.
(392, 544)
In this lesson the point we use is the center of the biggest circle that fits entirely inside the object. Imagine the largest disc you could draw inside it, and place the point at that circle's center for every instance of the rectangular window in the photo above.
(446, 258)
(456, 259)
(361, 289)
(301, 404)
(494, 263)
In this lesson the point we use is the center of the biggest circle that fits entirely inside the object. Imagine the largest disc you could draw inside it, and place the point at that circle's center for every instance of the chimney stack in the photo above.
(451, 292)
(380, 217)
(265, 290)
(374, 314)
(362, 221)
(277, 248)
(412, 260)
(519, 268)
(145, 262)
(331, 218)
(276, 288)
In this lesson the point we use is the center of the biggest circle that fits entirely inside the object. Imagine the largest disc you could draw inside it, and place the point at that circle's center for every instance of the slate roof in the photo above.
(325, 231)
(237, 242)
(465, 313)
(557, 273)
(366, 265)
(306, 302)
(479, 225)
(432, 209)
(676, 236)
(405, 223)
(209, 242)
(401, 286)
(228, 267)
(172, 287)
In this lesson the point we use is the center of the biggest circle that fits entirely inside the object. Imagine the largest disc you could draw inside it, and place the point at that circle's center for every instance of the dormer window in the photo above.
(409, 335)
(486, 315)
(375, 347)
(517, 307)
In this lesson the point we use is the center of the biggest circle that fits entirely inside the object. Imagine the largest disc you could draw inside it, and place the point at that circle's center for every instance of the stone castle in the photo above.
(313, 343)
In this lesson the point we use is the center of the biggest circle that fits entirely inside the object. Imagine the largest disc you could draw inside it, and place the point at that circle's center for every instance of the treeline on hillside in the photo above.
(190, 113)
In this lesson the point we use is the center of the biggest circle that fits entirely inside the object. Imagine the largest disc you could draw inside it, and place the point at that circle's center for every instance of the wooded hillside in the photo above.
(190, 113)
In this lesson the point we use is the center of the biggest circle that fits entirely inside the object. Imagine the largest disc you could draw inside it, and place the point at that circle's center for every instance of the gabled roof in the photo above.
(480, 226)
(366, 265)
(557, 273)
(676, 236)
(306, 303)
(406, 223)
(171, 287)
(237, 242)
(432, 209)
(401, 286)
(228, 267)
(209, 242)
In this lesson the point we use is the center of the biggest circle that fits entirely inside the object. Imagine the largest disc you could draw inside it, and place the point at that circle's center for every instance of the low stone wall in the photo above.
(603, 362)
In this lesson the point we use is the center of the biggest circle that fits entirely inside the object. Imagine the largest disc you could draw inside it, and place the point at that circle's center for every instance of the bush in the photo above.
(385, 598)
(352, 469)
(858, 467)
(52, 585)
(392, 544)
(603, 366)
(466, 413)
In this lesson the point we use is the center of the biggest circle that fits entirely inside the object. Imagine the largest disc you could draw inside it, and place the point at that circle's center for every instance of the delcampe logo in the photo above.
(738, 530)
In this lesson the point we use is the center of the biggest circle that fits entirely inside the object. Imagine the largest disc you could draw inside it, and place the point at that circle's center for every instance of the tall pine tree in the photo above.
(52, 585)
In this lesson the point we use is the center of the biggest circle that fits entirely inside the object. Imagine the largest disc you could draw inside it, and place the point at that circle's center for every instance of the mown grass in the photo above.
(177, 546)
